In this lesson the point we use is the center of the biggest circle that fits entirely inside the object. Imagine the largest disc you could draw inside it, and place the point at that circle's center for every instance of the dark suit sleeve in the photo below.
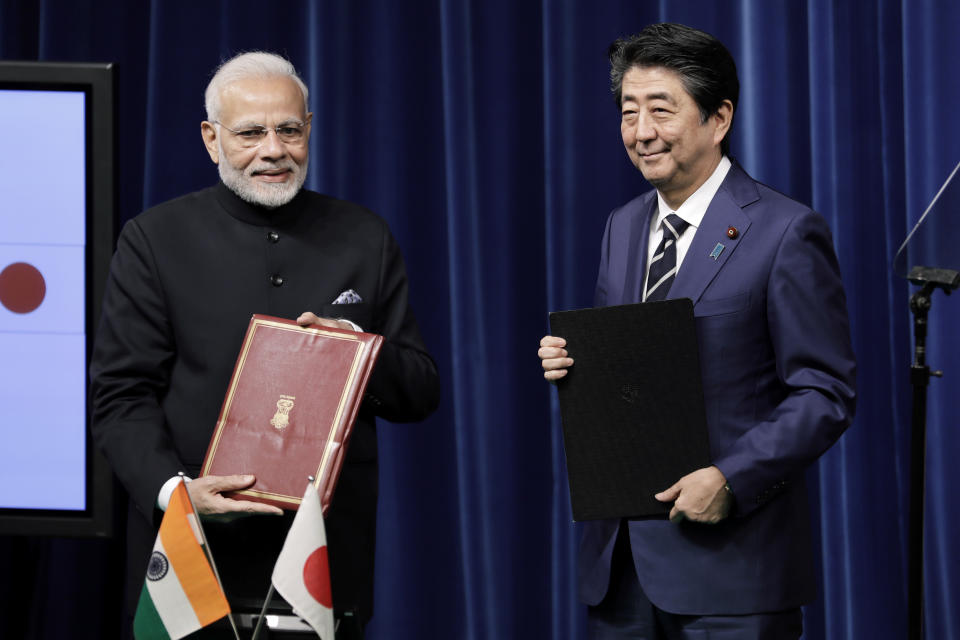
(130, 371)
(810, 336)
(600, 293)
(404, 386)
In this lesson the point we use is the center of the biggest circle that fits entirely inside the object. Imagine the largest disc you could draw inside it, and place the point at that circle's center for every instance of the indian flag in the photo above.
(181, 593)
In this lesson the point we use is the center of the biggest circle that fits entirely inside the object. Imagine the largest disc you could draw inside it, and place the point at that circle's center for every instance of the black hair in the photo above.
(704, 65)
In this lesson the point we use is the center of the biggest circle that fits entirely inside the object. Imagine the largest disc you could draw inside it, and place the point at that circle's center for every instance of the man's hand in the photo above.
(554, 357)
(700, 496)
(307, 318)
(205, 493)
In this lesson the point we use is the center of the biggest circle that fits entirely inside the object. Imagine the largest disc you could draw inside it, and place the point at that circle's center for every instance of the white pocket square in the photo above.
(348, 297)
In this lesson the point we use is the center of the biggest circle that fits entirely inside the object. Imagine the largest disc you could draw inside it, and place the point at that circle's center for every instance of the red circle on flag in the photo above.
(22, 287)
(316, 577)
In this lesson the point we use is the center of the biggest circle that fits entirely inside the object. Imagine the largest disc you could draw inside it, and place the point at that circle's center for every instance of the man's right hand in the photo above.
(207, 499)
(554, 358)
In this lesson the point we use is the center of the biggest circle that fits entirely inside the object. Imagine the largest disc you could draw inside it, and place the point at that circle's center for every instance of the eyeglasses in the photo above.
(254, 135)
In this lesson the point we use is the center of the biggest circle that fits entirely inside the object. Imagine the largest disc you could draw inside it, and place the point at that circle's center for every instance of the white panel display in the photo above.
(42, 326)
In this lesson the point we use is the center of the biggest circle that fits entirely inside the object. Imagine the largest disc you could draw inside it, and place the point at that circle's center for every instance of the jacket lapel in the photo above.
(711, 246)
(636, 266)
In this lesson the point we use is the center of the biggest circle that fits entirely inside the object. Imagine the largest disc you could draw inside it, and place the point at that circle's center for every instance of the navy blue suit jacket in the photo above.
(779, 387)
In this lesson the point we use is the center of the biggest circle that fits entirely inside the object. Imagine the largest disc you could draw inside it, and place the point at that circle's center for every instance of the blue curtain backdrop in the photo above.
(484, 132)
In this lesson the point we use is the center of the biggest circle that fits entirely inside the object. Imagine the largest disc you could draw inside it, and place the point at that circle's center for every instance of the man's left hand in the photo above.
(700, 496)
(307, 318)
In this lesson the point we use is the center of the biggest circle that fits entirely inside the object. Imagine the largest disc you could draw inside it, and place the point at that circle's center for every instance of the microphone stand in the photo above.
(929, 279)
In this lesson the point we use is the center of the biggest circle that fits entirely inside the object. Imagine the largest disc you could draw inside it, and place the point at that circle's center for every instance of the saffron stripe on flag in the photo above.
(189, 562)
(168, 598)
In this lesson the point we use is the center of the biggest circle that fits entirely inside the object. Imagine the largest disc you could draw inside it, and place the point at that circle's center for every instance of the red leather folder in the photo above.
(290, 408)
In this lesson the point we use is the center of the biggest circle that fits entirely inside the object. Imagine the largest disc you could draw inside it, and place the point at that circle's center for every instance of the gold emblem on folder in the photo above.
(281, 419)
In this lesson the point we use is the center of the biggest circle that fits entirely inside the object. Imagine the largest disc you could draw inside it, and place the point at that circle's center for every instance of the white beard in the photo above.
(265, 194)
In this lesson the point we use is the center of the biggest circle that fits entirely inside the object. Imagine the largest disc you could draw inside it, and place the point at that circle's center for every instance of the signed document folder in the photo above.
(290, 407)
(631, 405)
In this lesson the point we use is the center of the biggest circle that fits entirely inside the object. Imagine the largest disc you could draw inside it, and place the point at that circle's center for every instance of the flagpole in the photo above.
(263, 612)
(208, 551)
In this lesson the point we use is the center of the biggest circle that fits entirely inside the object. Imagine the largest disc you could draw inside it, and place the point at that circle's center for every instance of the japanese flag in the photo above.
(302, 574)
(43, 276)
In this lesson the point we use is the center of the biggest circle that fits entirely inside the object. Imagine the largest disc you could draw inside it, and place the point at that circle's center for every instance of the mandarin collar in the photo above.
(255, 214)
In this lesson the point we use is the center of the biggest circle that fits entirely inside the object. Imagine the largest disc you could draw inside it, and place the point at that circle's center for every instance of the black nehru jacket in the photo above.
(185, 279)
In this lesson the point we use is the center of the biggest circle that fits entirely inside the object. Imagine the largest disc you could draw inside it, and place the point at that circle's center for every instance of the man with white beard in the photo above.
(185, 279)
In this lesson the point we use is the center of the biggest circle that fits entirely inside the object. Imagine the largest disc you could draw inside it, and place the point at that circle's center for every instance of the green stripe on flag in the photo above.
(147, 624)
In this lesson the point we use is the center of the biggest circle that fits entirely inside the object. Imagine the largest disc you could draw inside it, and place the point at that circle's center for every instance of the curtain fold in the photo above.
(485, 133)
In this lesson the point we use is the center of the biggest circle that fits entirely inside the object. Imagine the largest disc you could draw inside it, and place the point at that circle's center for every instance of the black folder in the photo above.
(631, 406)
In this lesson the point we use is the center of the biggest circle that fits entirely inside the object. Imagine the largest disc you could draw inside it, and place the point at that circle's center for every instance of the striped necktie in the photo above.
(663, 265)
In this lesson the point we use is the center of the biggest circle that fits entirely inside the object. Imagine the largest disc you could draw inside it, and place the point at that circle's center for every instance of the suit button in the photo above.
(273, 237)
(277, 280)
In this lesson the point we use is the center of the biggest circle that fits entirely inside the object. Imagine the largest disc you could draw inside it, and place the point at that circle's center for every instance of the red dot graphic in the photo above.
(22, 287)
(316, 577)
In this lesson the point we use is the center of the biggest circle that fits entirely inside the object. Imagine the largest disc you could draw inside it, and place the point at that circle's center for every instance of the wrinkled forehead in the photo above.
(266, 100)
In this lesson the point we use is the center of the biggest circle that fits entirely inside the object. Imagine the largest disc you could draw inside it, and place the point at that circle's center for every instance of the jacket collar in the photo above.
(699, 267)
(255, 214)
(712, 245)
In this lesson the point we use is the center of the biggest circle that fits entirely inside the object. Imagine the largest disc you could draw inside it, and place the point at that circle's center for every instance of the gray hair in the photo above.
(252, 64)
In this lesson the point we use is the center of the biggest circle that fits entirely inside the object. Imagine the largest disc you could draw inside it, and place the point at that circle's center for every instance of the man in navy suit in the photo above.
(734, 558)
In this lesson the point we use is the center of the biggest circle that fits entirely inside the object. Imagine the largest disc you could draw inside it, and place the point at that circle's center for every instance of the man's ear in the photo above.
(309, 120)
(723, 117)
(209, 132)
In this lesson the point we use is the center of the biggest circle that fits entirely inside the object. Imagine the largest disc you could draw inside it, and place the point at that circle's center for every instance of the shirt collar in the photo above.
(695, 207)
